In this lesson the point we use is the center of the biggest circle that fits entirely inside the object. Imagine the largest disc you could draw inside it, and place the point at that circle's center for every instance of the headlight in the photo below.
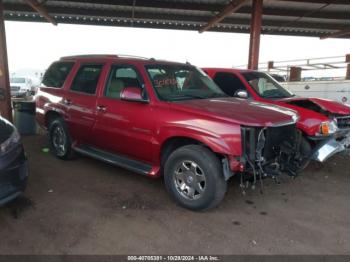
(10, 142)
(327, 128)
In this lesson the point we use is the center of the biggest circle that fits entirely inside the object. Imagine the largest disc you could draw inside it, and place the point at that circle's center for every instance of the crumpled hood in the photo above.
(240, 111)
(325, 104)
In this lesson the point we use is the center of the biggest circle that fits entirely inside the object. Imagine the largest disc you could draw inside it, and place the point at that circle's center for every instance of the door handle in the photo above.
(102, 108)
(67, 102)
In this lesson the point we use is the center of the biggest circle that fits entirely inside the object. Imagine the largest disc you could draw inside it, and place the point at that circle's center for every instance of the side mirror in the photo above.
(133, 94)
(241, 94)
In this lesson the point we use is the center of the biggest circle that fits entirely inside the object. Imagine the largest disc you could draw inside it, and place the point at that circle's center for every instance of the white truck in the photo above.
(338, 90)
(21, 86)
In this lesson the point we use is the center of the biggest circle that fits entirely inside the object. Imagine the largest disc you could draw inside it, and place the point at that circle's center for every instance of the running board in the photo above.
(114, 159)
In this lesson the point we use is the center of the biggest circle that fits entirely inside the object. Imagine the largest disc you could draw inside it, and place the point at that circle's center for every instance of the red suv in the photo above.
(162, 118)
(324, 124)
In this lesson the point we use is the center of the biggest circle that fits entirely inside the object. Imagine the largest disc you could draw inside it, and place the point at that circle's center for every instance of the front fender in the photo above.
(219, 137)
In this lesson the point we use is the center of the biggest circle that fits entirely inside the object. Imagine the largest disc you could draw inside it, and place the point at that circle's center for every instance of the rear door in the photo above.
(124, 127)
(80, 100)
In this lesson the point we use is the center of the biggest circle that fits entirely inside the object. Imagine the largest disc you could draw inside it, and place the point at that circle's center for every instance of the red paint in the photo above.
(309, 121)
(140, 129)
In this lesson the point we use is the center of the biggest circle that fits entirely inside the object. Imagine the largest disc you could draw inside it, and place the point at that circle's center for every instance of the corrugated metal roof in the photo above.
(281, 17)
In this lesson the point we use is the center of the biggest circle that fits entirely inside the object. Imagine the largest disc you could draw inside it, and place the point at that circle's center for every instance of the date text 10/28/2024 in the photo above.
(173, 258)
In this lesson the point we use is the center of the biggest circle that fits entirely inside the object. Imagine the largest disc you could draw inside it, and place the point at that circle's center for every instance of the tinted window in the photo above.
(120, 77)
(57, 74)
(229, 83)
(87, 78)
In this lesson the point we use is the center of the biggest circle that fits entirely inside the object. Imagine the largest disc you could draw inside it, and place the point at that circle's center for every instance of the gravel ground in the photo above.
(88, 207)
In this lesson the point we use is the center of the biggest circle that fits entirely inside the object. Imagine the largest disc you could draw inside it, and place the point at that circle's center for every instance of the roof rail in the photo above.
(103, 56)
(89, 56)
(133, 56)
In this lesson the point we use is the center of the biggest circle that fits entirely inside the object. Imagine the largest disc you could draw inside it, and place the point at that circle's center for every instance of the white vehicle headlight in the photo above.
(10, 142)
(328, 128)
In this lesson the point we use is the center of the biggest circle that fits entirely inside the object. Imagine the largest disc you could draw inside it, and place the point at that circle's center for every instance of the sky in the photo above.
(37, 45)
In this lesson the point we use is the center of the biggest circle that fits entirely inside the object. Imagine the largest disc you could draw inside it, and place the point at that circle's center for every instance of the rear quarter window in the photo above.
(57, 74)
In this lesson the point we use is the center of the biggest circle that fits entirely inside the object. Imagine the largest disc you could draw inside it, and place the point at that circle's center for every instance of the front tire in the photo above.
(60, 140)
(305, 151)
(194, 178)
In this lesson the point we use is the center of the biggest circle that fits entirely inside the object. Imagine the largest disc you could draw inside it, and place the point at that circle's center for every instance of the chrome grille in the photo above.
(343, 122)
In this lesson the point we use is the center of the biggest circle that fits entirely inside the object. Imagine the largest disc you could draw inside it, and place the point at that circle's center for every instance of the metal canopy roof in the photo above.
(280, 17)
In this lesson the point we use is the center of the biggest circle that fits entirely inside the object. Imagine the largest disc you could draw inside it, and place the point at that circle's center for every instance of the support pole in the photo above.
(347, 60)
(5, 93)
(295, 74)
(270, 65)
(255, 31)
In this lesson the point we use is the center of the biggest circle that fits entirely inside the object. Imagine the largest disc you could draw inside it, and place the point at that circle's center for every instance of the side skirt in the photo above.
(115, 159)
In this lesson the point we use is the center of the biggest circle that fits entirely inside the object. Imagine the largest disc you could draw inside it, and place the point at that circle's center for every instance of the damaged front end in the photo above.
(334, 134)
(271, 151)
(336, 143)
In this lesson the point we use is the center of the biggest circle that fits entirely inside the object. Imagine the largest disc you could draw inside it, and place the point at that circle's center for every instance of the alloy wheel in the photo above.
(190, 180)
(59, 140)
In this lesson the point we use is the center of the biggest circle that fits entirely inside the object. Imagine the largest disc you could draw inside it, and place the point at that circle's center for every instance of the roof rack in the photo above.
(133, 56)
(89, 56)
(105, 56)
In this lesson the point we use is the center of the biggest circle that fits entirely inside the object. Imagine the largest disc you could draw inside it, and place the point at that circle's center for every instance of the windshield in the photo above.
(182, 82)
(266, 86)
(18, 80)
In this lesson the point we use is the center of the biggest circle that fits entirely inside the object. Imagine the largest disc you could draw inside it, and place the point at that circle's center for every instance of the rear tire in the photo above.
(60, 139)
(194, 178)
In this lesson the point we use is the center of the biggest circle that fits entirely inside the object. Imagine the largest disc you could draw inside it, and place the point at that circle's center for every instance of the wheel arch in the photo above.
(50, 115)
(175, 142)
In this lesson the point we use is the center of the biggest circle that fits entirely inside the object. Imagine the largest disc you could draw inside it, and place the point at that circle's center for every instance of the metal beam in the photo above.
(160, 25)
(5, 92)
(336, 34)
(181, 18)
(41, 10)
(298, 11)
(232, 7)
(92, 16)
(255, 32)
(208, 7)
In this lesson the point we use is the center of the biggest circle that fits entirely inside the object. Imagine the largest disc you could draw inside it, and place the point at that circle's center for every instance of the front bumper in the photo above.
(13, 174)
(332, 145)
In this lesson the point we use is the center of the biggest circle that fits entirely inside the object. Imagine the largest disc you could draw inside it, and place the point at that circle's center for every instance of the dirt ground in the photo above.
(88, 207)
